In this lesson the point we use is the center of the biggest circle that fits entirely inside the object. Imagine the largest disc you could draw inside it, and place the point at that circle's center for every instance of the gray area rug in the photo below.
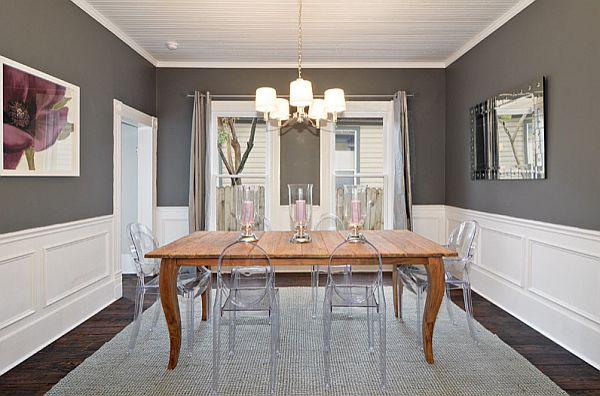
(463, 366)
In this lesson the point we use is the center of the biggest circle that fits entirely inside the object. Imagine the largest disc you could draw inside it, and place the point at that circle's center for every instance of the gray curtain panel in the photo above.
(402, 181)
(198, 162)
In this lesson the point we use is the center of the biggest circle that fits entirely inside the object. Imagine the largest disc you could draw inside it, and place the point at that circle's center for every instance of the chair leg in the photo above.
(400, 288)
(369, 329)
(232, 318)
(327, 338)
(348, 274)
(157, 312)
(216, 342)
(314, 284)
(419, 320)
(190, 322)
(274, 342)
(137, 318)
(449, 304)
(469, 308)
(382, 340)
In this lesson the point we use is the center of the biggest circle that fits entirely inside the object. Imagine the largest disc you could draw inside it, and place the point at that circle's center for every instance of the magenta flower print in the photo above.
(34, 114)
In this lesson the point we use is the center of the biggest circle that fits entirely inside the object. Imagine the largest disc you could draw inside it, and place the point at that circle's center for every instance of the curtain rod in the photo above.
(287, 96)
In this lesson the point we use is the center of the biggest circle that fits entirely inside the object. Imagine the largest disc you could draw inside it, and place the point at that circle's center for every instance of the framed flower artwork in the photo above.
(40, 123)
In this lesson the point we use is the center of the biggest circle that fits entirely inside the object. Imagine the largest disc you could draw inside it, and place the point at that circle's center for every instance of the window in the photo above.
(238, 151)
(359, 158)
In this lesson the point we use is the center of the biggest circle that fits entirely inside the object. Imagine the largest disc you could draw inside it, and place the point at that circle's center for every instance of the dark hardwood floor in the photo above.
(40, 372)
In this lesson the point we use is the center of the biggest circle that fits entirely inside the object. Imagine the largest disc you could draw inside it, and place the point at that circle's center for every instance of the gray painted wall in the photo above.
(559, 39)
(175, 115)
(58, 38)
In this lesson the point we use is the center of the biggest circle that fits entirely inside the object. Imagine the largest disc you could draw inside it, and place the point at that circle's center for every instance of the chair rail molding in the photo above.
(55, 278)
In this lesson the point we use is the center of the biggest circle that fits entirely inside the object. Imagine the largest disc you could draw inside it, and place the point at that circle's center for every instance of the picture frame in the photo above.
(40, 123)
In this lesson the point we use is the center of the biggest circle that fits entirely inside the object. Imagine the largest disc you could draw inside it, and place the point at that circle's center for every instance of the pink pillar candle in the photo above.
(247, 212)
(301, 211)
(356, 217)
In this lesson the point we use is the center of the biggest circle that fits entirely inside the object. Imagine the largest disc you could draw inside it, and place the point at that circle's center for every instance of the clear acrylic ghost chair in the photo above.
(365, 291)
(414, 277)
(327, 222)
(245, 283)
(190, 283)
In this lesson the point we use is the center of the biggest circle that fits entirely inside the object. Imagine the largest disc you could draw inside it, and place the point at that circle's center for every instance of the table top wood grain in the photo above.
(395, 247)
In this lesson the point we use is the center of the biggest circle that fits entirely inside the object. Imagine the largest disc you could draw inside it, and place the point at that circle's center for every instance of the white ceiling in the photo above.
(337, 33)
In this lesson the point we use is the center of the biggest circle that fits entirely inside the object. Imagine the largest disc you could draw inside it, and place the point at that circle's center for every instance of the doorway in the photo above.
(134, 178)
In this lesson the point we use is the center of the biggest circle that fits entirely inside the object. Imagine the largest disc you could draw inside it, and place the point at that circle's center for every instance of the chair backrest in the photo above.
(142, 241)
(355, 271)
(245, 267)
(462, 238)
(328, 222)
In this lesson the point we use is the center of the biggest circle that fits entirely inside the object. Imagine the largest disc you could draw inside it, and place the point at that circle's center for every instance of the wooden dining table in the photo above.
(397, 247)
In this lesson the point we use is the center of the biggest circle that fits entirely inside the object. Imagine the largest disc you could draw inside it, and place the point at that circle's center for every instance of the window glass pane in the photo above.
(233, 136)
(225, 205)
(375, 200)
(233, 150)
(359, 149)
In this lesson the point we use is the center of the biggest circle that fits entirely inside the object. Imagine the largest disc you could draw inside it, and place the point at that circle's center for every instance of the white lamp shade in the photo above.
(335, 102)
(301, 94)
(283, 110)
(266, 100)
(316, 111)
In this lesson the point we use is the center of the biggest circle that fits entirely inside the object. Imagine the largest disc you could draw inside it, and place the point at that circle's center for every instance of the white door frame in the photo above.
(122, 112)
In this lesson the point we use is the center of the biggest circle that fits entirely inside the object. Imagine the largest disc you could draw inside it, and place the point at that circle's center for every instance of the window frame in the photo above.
(367, 109)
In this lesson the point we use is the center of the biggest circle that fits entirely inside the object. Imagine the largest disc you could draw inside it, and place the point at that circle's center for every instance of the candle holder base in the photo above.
(248, 238)
(300, 238)
(355, 238)
(247, 235)
(355, 235)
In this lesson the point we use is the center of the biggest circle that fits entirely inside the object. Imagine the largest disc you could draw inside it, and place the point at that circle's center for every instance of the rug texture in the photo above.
(463, 366)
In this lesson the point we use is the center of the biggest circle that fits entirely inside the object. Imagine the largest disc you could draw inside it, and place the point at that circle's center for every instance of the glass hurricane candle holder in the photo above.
(246, 199)
(355, 209)
(300, 206)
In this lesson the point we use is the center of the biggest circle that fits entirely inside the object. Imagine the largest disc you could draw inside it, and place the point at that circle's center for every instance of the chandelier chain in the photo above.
(299, 38)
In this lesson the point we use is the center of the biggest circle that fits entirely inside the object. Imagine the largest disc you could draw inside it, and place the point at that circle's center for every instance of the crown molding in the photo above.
(91, 11)
(305, 65)
(517, 8)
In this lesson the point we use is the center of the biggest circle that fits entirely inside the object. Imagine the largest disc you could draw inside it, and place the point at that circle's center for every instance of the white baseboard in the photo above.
(54, 277)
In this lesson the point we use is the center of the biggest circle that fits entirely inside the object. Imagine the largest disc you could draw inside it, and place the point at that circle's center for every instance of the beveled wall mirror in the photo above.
(507, 135)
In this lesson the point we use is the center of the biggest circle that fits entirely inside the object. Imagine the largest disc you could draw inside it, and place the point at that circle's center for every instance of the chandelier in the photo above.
(301, 96)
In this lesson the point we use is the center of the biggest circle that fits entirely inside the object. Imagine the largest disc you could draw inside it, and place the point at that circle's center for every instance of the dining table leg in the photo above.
(435, 293)
(170, 304)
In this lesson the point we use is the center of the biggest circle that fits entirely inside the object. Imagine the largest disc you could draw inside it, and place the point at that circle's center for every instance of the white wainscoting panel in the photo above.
(547, 275)
(171, 223)
(17, 276)
(428, 221)
(55, 278)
